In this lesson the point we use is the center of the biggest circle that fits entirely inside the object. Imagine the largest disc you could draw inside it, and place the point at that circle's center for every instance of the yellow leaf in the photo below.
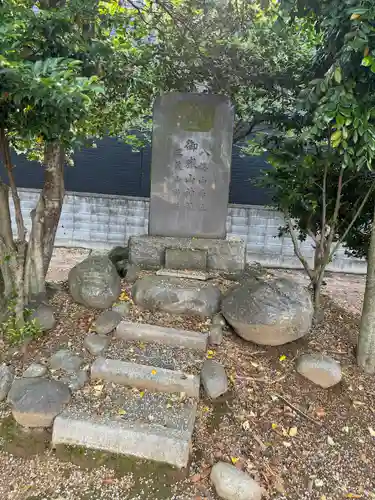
(353, 17)
(142, 345)
(206, 409)
(274, 426)
(121, 411)
(234, 460)
(231, 378)
(371, 431)
(153, 372)
(353, 495)
(323, 497)
(293, 431)
(141, 394)
(282, 358)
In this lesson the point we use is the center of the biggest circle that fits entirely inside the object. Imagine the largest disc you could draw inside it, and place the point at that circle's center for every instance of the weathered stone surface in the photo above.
(107, 322)
(183, 273)
(161, 335)
(96, 344)
(35, 370)
(6, 379)
(222, 255)
(132, 272)
(123, 308)
(214, 378)
(185, 258)
(76, 381)
(320, 369)
(145, 377)
(233, 484)
(95, 282)
(176, 296)
(270, 312)
(216, 335)
(218, 319)
(36, 401)
(44, 316)
(119, 258)
(145, 441)
(66, 361)
(191, 158)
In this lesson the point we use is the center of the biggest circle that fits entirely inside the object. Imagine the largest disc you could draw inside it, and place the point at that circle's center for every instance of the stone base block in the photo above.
(185, 258)
(223, 255)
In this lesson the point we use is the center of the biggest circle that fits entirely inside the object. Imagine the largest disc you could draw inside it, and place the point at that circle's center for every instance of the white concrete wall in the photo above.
(103, 221)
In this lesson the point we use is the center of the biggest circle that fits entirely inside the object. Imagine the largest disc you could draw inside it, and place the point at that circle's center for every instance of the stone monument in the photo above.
(190, 169)
(190, 176)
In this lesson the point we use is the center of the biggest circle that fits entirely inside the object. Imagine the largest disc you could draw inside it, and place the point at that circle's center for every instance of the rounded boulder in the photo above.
(272, 312)
(94, 282)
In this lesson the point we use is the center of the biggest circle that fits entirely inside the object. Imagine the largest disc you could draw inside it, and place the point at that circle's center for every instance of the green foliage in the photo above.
(15, 333)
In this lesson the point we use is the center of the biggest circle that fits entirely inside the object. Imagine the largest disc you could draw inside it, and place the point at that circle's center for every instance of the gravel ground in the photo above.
(329, 455)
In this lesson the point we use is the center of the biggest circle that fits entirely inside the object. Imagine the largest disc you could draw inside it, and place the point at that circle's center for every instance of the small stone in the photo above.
(44, 317)
(35, 370)
(36, 401)
(218, 319)
(216, 335)
(107, 322)
(66, 361)
(76, 381)
(96, 344)
(132, 273)
(123, 308)
(233, 484)
(214, 378)
(320, 369)
(6, 380)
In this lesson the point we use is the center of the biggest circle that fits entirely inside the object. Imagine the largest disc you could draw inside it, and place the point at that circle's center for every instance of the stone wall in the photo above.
(103, 221)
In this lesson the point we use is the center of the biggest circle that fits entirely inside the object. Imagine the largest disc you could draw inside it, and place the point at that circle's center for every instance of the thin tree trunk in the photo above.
(366, 341)
(45, 220)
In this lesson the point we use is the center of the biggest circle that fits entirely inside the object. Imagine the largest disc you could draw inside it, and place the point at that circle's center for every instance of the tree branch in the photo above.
(297, 250)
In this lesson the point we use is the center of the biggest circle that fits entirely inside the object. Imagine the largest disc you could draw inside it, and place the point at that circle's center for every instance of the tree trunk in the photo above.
(366, 341)
(45, 220)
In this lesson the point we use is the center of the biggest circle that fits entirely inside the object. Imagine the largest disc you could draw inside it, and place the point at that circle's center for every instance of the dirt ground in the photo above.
(299, 441)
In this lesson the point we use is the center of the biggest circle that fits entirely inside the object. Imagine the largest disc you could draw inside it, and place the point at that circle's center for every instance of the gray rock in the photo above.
(66, 361)
(132, 273)
(216, 335)
(218, 320)
(35, 370)
(123, 308)
(44, 317)
(107, 322)
(176, 296)
(224, 255)
(76, 381)
(185, 258)
(35, 402)
(6, 379)
(270, 312)
(320, 369)
(214, 378)
(95, 282)
(96, 344)
(233, 484)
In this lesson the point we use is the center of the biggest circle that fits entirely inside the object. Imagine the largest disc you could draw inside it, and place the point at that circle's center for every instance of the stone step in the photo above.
(149, 426)
(145, 376)
(162, 335)
(184, 273)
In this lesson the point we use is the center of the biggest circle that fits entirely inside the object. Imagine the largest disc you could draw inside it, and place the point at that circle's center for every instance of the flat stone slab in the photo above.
(107, 322)
(36, 402)
(185, 258)
(35, 370)
(223, 255)
(161, 335)
(145, 377)
(66, 361)
(176, 296)
(186, 274)
(114, 435)
(214, 379)
(96, 344)
(320, 369)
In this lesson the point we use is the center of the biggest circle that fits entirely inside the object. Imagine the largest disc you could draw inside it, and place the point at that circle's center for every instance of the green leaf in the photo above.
(367, 61)
(338, 75)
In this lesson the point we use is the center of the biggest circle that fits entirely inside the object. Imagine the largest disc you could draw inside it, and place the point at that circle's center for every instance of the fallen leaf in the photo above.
(293, 431)
(323, 497)
(287, 444)
(345, 429)
(141, 394)
(282, 357)
(234, 460)
(121, 411)
(153, 372)
(318, 483)
(320, 412)
(330, 441)
(371, 431)
(246, 425)
(353, 495)
(274, 426)
(353, 17)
